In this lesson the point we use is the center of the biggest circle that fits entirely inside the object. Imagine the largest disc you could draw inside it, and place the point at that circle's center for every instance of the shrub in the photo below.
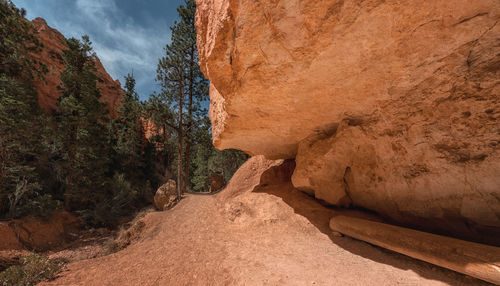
(119, 201)
(32, 270)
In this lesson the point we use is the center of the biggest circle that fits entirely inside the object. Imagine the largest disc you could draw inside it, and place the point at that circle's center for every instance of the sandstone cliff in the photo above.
(51, 55)
(391, 106)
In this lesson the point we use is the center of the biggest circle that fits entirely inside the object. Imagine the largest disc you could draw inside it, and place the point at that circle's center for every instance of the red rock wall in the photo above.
(51, 55)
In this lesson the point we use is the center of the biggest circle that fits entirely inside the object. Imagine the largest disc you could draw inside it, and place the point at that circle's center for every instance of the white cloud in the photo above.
(123, 45)
(96, 8)
(119, 41)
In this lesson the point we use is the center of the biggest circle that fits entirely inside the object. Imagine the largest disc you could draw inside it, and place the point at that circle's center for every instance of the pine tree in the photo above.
(19, 112)
(158, 111)
(128, 133)
(196, 82)
(203, 151)
(171, 76)
(81, 128)
(209, 160)
(75, 154)
(181, 79)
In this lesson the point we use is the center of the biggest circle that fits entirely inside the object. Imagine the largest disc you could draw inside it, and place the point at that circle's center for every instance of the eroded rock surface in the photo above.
(37, 233)
(392, 106)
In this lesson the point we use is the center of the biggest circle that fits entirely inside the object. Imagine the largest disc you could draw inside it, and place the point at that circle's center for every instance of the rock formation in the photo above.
(216, 182)
(391, 106)
(51, 55)
(37, 233)
(166, 196)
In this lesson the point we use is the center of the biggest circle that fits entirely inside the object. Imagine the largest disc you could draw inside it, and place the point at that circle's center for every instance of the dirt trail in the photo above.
(270, 234)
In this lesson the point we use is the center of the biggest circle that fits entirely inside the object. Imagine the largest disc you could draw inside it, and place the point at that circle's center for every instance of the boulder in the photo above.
(392, 106)
(216, 182)
(166, 196)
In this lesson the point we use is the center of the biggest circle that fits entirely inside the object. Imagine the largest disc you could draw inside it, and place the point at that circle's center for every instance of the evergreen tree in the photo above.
(19, 113)
(128, 133)
(99, 165)
(81, 129)
(209, 160)
(170, 74)
(196, 83)
(181, 79)
(203, 151)
(158, 112)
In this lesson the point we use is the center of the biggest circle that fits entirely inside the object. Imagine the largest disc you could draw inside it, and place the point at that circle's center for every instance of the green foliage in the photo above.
(77, 155)
(178, 108)
(19, 114)
(119, 200)
(209, 160)
(99, 160)
(17, 41)
(226, 162)
(32, 270)
(80, 157)
(127, 134)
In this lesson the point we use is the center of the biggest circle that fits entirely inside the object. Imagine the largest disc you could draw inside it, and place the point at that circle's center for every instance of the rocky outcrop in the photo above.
(216, 182)
(51, 55)
(391, 106)
(150, 129)
(38, 234)
(166, 196)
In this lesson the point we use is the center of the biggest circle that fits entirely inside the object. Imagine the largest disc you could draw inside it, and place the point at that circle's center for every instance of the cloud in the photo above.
(95, 6)
(123, 46)
(127, 35)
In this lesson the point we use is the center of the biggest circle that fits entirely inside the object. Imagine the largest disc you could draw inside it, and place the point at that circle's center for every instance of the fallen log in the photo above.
(473, 259)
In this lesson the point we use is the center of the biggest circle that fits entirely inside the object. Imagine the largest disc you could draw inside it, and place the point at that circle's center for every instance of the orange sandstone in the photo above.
(392, 106)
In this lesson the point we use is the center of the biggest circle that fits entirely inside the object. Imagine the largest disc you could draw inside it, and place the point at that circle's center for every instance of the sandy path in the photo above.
(269, 235)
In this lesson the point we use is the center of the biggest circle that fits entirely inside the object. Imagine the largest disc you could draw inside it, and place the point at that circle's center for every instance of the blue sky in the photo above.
(127, 35)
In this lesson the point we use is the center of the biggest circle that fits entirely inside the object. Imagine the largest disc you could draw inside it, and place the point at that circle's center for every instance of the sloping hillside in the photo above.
(51, 55)
(258, 231)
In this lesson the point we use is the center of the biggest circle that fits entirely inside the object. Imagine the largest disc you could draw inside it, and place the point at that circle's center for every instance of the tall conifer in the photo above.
(81, 121)
(183, 87)
(19, 111)
(128, 132)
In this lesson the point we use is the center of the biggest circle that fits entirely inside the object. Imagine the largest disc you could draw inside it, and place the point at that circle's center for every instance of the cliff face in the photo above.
(51, 55)
(392, 106)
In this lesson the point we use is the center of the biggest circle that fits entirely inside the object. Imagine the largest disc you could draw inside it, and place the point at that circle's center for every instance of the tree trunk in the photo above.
(165, 154)
(179, 167)
(190, 119)
(474, 259)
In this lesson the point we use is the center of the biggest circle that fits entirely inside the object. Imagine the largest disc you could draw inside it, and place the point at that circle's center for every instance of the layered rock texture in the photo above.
(391, 106)
(51, 55)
